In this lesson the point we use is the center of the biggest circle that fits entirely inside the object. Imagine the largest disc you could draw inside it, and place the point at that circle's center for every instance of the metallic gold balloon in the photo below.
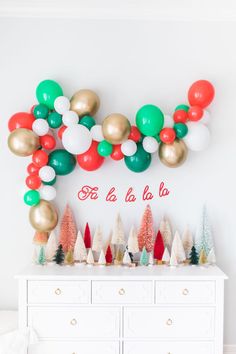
(116, 128)
(43, 216)
(173, 155)
(23, 142)
(85, 102)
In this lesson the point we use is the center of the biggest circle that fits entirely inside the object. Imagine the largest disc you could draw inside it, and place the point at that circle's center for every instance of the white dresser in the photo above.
(117, 310)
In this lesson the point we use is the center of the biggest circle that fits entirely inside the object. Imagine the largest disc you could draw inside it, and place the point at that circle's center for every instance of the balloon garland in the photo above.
(88, 143)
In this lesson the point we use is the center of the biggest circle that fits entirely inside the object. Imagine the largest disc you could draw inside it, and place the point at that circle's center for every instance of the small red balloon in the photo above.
(33, 182)
(48, 142)
(90, 160)
(117, 153)
(180, 116)
(61, 131)
(40, 158)
(21, 120)
(167, 135)
(201, 93)
(32, 169)
(135, 134)
(195, 113)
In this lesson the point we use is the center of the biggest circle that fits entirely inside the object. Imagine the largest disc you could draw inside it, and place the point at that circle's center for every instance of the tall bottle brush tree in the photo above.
(87, 236)
(204, 238)
(165, 229)
(118, 234)
(146, 232)
(67, 236)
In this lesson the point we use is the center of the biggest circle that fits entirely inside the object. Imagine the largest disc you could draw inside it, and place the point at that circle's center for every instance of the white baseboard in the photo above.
(230, 349)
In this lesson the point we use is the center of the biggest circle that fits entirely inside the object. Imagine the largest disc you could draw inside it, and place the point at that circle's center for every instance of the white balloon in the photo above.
(96, 132)
(76, 139)
(40, 127)
(70, 118)
(168, 121)
(48, 193)
(61, 104)
(129, 148)
(47, 173)
(198, 136)
(205, 118)
(150, 144)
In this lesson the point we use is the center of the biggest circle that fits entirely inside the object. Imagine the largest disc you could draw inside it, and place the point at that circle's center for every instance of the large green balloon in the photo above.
(149, 120)
(47, 91)
(140, 161)
(62, 161)
(32, 197)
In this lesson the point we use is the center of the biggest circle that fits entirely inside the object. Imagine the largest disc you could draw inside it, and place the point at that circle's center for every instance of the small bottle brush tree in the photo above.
(41, 258)
(177, 247)
(126, 259)
(67, 236)
(146, 232)
(118, 235)
(51, 246)
(173, 259)
(193, 256)
(87, 237)
(202, 257)
(80, 252)
(211, 258)
(69, 259)
(159, 247)
(119, 255)
(90, 258)
(204, 239)
(144, 257)
(59, 256)
(108, 255)
(165, 230)
(166, 256)
(133, 241)
(187, 241)
(151, 260)
(97, 240)
(102, 258)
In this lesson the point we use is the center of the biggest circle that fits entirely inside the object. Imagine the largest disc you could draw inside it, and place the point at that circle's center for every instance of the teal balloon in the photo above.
(87, 121)
(104, 148)
(47, 91)
(181, 130)
(54, 120)
(32, 197)
(140, 161)
(182, 107)
(62, 161)
(149, 120)
(50, 183)
(41, 111)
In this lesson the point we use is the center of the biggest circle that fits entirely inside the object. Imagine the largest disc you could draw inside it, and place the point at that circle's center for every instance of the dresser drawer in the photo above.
(75, 348)
(169, 347)
(120, 292)
(58, 292)
(185, 292)
(169, 322)
(74, 322)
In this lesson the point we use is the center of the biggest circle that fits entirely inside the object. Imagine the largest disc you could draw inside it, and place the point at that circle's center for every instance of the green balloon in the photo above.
(104, 148)
(182, 107)
(51, 183)
(54, 120)
(62, 161)
(41, 111)
(32, 197)
(149, 120)
(88, 122)
(140, 161)
(181, 130)
(47, 91)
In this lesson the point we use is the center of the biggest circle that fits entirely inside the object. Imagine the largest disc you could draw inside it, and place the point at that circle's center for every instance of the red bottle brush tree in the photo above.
(146, 232)
(87, 236)
(159, 247)
(67, 236)
(108, 255)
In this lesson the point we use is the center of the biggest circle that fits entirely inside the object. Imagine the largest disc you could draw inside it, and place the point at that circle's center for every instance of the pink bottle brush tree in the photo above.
(67, 236)
(146, 232)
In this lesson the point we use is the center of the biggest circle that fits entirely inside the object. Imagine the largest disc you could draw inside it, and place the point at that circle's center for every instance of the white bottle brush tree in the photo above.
(97, 240)
(187, 240)
(118, 235)
(51, 246)
(204, 239)
(133, 246)
(178, 249)
(166, 233)
(80, 252)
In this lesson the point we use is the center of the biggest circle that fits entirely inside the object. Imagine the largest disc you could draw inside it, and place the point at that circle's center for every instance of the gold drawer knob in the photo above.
(121, 291)
(58, 291)
(169, 322)
(185, 292)
(73, 322)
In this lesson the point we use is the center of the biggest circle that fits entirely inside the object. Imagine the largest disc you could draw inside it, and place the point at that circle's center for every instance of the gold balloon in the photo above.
(116, 128)
(23, 142)
(85, 102)
(43, 216)
(173, 155)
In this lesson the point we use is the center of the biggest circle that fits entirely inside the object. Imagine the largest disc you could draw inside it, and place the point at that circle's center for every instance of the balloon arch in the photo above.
(88, 143)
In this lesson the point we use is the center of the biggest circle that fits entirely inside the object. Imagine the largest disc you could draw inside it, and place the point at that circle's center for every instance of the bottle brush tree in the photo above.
(159, 247)
(146, 232)
(108, 255)
(59, 256)
(67, 235)
(87, 236)
(193, 256)
(69, 259)
(144, 257)
(42, 258)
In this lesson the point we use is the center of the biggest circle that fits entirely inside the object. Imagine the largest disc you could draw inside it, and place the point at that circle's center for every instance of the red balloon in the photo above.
(135, 134)
(201, 93)
(48, 142)
(167, 135)
(61, 131)
(40, 158)
(32, 169)
(33, 182)
(90, 160)
(195, 113)
(117, 154)
(21, 120)
(180, 116)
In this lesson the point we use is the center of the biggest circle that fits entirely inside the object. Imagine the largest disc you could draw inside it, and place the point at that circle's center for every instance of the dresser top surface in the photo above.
(161, 272)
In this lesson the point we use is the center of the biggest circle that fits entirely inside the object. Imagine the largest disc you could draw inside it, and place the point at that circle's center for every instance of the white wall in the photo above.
(128, 64)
